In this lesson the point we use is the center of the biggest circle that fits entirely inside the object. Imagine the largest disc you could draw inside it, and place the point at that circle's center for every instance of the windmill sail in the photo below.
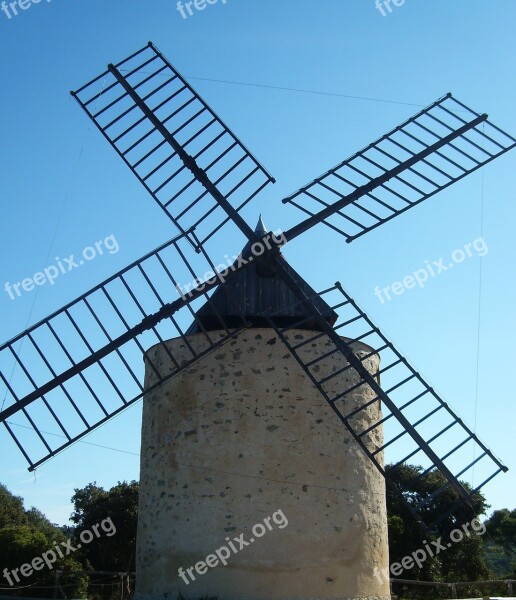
(418, 426)
(76, 369)
(172, 141)
(429, 152)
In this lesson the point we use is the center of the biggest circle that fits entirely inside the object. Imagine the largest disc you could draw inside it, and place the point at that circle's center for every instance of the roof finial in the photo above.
(260, 229)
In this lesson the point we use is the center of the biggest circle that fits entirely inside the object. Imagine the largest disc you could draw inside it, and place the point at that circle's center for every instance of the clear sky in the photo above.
(62, 187)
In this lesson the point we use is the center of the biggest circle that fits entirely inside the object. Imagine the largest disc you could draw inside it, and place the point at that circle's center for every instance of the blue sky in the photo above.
(62, 187)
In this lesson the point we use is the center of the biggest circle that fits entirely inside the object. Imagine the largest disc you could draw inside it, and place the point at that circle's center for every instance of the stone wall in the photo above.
(242, 434)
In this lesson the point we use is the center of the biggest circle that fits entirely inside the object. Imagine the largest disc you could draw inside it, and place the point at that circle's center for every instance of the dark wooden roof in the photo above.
(254, 291)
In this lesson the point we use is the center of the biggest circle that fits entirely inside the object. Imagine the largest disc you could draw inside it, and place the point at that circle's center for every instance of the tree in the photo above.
(25, 536)
(500, 546)
(37, 520)
(92, 506)
(502, 526)
(461, 561)
(11, 509)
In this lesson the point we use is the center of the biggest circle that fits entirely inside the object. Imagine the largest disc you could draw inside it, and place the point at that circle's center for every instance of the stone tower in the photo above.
(250, 487)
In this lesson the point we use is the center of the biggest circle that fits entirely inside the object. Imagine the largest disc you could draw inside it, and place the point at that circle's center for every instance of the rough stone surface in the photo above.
(242, 434)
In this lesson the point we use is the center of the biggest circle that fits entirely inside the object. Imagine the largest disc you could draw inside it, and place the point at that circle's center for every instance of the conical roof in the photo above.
(256, 290)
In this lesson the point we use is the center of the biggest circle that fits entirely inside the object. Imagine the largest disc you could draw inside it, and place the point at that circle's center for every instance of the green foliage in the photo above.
(11, 509)
(20, 544)
(502, 526)
(92, 505)
(37, 520)
(422, 490)
(462, 561)
(24, 536)
(500, 546)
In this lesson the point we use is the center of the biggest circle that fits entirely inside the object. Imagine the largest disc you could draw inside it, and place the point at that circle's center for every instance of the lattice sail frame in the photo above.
(434, 149)
(82, 365)
(170, 138)
(416, 421)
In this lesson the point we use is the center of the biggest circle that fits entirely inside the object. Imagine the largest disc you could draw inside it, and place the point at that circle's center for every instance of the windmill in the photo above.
(80, 366)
